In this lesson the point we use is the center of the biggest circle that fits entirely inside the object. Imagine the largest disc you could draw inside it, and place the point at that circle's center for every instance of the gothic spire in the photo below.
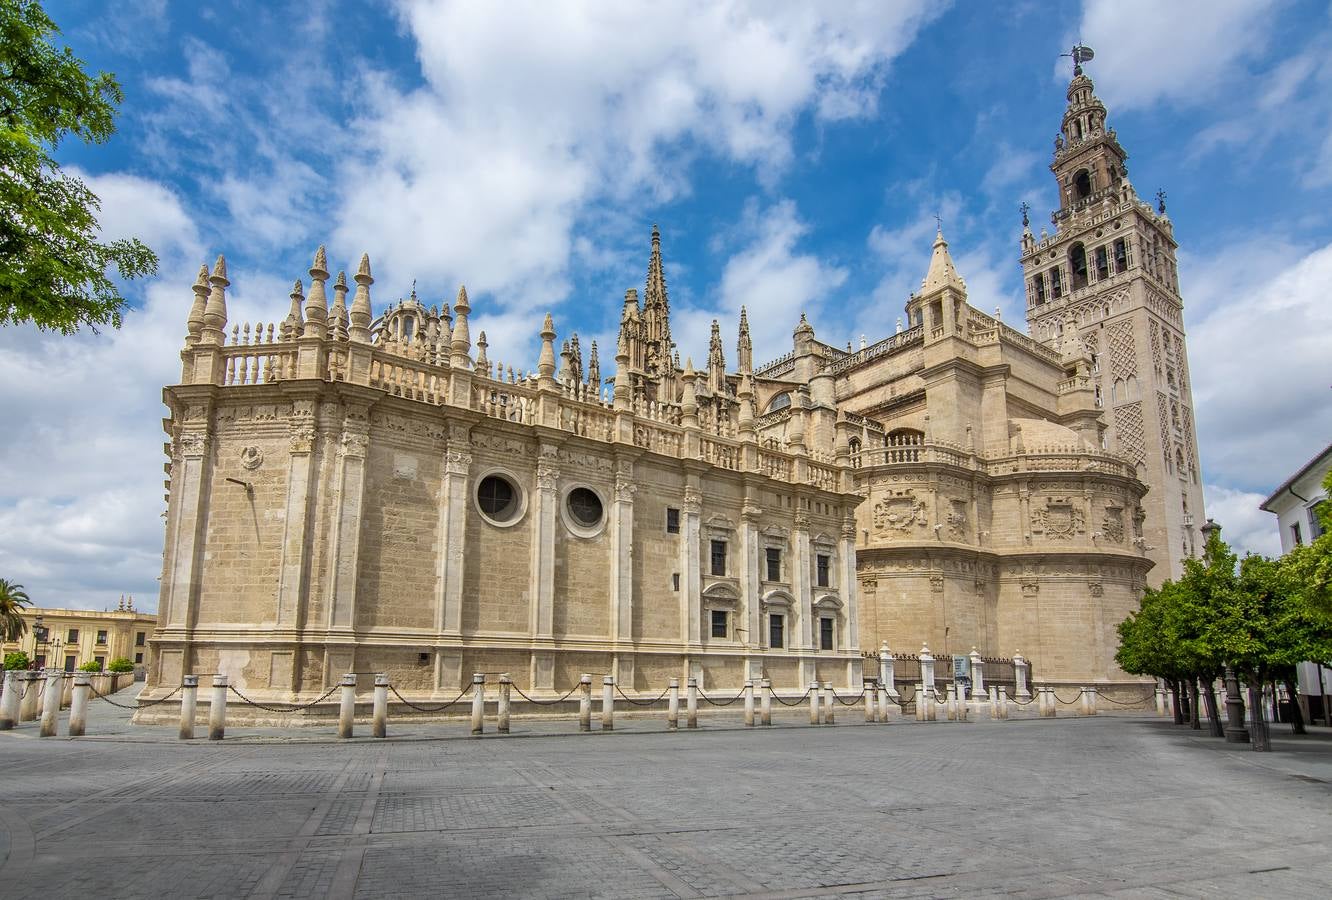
(656, 305)
(361, 313)
(716, 361)
(194, 323)
(594, 368)
(942, 273)
(746, 348)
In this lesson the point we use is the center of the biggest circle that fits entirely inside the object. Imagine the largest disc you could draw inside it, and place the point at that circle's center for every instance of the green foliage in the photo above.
(1256, 618)
(17, 659)
(91, 665)
(13, 600)
(120, 664)
(53, 269)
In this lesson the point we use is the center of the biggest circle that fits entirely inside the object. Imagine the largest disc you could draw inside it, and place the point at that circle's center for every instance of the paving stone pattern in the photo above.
(1127, 806)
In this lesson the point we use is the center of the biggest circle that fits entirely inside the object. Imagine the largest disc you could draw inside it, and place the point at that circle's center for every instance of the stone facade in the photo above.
(78, 636)
(350, 493)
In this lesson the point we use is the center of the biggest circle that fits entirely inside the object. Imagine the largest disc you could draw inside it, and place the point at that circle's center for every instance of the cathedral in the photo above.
(352, 492)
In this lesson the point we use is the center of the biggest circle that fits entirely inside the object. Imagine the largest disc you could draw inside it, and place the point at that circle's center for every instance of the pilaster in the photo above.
(452, 530)
(293, 577)
(691, 574)
(349, 492)
(621, 527)
(545, 506)
(190, 484)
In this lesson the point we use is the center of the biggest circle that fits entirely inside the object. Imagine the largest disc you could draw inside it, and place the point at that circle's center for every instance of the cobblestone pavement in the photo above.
(1127, 806)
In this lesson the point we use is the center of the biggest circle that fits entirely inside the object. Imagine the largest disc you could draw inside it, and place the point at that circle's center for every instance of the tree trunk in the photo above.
(1296, 714)
(1258, 736)
(1193, 705)
(1177, 696)
(1214, 726)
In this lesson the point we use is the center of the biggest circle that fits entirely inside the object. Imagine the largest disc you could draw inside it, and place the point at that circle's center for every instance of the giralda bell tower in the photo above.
(1108, 272)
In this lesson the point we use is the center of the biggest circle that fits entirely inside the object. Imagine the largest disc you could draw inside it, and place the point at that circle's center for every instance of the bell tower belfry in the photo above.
(1108, 273)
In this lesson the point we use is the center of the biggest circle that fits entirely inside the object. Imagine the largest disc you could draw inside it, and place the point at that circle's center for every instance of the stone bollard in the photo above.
(883, 703)
(673, 706)
(1090, 697)
(1160, 703)
(31, 705)
(478, 703)
(67, 693)
(829, 701)
(585, 703)
(608, 703)
(217, 709)
(869, 690)
(1051, 711)
(994, 702)
(1040, 702)
(749, 704)
(51, 703)
(1021, 672)
(347, 706)
(691, 703)
(1084, 699)
(9, 701)
(765, 705)
(920, 703)
(1003, 702)
(189, 702)
(506, 685)
(886, 674)
(927, 667)
(78, 705)
(814, 703)
(379, 726)
(977, 673)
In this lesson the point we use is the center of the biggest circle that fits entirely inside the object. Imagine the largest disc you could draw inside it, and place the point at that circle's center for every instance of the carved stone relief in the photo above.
(898, 513)
(1059, 519)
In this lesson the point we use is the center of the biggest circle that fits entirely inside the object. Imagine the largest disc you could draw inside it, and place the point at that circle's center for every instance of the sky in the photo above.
(794, 155)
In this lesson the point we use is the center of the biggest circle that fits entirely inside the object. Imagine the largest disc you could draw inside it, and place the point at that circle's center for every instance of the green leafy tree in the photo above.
(1310, 566)
(17, 659)
(53, 268)
(120, 664)
(91, 665)
(13, 600)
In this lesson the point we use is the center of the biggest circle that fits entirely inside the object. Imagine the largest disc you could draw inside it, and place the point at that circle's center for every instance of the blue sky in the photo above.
(794, 156)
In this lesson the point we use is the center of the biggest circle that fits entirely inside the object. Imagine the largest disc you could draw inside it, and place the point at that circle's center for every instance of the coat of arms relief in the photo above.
(898, 512)
(1059, 519)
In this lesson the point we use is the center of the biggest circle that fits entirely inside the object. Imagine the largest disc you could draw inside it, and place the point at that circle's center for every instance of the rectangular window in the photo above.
(825, 633)
(72, 637)
(675, 580)
(718, 557)
(138, 658)
(101, 662)
(822, 562)
(719, 623)
(1295, 533)
(1315, 520)
(1057, 282)
(40, 662)
(138, 638)
(672, 520)
(774, 564)
(776, 631)
(101, 636)
(69, 663)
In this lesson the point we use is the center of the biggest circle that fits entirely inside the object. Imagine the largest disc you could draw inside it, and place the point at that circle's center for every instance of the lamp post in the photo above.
(1236, 733)
(39, 635)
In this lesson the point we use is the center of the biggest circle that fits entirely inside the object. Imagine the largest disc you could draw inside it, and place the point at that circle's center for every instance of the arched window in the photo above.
(781, 401)
(1082, 186)
(1056, 282)
(1077, 264)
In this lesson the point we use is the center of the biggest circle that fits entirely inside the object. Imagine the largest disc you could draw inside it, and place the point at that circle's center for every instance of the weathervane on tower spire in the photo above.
(1080, 54)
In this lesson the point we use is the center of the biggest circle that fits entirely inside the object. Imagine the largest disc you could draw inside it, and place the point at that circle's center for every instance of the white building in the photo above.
(1296, 505)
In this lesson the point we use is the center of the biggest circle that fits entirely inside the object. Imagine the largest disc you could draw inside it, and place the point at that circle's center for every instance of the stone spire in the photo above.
(194, 322)
(594, 369)
(716, 362)
(565, 375)
(294, 325)
(623, 395)
(361, 313)
(462, 339)
(338, 317)
(546, 362)
(215, 310)
(316, 302)
(482, 361)
(657, 308)
(575, 358)
(745, 348)
(942, 273)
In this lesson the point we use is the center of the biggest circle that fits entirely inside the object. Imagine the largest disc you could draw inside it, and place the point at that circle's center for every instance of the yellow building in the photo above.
(68, 638)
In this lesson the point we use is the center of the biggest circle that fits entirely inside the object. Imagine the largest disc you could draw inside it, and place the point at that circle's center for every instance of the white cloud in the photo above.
(1245, 527)
(531, 122)
(1258, 324)
(1184, 51)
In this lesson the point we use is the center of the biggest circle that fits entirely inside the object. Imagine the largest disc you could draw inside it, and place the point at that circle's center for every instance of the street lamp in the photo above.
(39, 635)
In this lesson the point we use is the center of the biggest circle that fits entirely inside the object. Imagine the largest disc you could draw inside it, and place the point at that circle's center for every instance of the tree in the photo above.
(53, 268)
(1310, 566)
(13, 600)
(91, 665)
(120, 664)
(17, 660)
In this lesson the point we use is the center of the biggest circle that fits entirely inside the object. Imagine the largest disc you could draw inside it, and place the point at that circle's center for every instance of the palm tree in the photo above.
(13, 599)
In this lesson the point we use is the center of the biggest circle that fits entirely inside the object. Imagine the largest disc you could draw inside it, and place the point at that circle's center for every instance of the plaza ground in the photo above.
(1116, 805)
